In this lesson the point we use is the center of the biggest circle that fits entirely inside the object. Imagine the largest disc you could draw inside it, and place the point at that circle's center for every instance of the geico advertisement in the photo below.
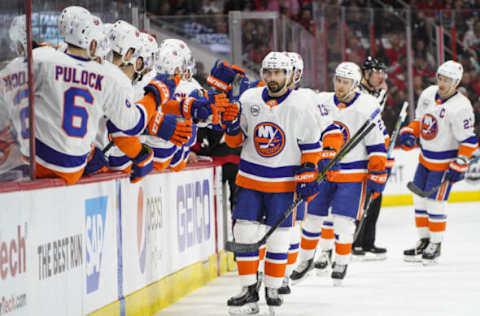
(167, 225)
(15, 265)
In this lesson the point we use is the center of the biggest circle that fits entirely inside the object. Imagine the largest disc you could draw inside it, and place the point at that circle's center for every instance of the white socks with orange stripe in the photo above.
(421, 216)
(295, 237)
(247, 232)
(344, 228)
(276, 257)
(327, 239)
(311, 231)
(437, 219)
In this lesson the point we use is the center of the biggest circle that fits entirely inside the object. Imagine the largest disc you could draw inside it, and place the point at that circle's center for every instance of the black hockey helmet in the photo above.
(373, 63)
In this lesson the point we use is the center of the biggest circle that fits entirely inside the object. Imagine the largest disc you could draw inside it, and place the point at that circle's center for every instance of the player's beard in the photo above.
(275, 87)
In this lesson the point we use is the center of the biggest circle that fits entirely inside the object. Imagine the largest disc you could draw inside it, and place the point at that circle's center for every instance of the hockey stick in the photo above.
(108, 147)
(366, 206)
(353, 142)
(415, 189)
(396, 130)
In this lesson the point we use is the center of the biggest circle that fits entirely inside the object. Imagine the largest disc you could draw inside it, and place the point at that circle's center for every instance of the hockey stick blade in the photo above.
(415, 189)
(241, 248)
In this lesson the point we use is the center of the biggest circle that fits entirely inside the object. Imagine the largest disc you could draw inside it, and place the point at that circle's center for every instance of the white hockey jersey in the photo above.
(72, 94)
(445, 128)
(185, 87)
(14, 101)
(370, 154)
(277, 132)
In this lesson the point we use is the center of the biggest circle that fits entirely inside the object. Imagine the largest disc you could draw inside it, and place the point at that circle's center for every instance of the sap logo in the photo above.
(149, 223)
(13, 256)
(269, 139)
(429, 128)
(95, 213)
(193, 214)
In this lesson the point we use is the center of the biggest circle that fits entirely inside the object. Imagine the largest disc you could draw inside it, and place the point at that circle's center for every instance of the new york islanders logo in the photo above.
(429, 128)
(269, 139)
(344, 130)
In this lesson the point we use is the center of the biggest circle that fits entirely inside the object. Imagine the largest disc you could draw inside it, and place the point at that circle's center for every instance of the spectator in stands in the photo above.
(472, 38)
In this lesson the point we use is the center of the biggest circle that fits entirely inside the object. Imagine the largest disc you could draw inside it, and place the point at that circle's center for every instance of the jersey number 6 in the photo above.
(75, 116)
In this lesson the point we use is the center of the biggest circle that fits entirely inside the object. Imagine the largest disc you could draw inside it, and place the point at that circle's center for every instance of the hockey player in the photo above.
(69, 108)
(372, 83)
(362, 171)
(444, 125)
(274, 146)
(15, 134)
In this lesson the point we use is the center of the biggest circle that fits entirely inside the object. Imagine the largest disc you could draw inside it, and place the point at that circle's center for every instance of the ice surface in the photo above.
(390, 287)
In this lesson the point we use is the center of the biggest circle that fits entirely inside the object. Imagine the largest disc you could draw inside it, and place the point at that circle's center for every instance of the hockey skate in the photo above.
(431, 253)
(301, 271)
(323, 262)
(415, 254)
(245, 303)
(338, 273)
(358, 254)
(375, 253)
(285, 288)
(274, 301)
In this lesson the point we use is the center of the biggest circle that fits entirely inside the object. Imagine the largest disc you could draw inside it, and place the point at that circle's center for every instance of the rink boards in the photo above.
(111, 247)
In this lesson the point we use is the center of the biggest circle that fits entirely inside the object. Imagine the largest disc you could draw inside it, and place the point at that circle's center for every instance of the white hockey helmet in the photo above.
(183, 48)
(297, 62)
(349, 70)
(451, 69)
(123, 36)
(96, 32)
(67, 15)
(149, 49)
(80, 28)
(18, 34)
(277, 60)
(170, 61)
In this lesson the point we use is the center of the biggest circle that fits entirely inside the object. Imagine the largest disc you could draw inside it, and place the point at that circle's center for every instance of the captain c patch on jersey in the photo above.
(269, 139)
(429, 127)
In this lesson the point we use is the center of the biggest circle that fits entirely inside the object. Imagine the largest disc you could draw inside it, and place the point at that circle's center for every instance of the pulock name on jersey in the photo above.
(69, 74)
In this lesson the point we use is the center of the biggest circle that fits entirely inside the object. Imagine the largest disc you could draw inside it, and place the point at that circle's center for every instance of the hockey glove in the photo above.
(168, 128)
(325, 157)
(162, 88)
(142, 164)
(456, 171)
(407, 139)
(96, 162)
(389, 166)
(196, 109)
(231, 118)
(222, 75)
(376, 181)
(306, 179)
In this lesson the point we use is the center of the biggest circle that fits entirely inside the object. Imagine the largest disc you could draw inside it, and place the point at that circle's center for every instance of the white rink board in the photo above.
(404, 170)
(168, 224)
(67, 251)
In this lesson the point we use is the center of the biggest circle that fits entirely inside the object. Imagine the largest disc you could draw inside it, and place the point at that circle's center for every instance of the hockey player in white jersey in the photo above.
(14, 125)
(280, 131)
(360, 172)
(444, 126)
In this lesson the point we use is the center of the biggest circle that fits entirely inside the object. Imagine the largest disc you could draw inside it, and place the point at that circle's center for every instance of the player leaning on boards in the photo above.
(361, 172)
(280, 131)
(372, 83)
(444, 125)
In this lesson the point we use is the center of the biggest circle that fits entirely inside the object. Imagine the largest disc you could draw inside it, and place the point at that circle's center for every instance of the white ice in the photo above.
(390, 287)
